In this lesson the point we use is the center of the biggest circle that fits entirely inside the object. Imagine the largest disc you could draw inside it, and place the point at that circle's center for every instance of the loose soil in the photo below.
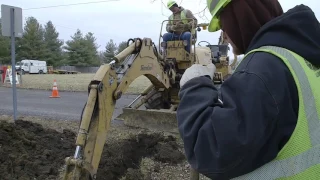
(30, 151)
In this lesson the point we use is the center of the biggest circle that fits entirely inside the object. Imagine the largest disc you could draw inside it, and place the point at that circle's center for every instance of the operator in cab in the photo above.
(266, 122)
(184, 28)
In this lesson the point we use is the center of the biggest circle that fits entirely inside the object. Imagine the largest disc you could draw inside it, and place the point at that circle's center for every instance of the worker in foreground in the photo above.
(182, 29)
(267, 125)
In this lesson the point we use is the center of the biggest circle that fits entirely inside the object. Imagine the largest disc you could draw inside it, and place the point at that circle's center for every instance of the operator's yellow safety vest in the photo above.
(184, 20)
(299, 159)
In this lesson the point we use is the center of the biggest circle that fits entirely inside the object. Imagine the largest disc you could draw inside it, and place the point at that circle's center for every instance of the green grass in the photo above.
(73, 82)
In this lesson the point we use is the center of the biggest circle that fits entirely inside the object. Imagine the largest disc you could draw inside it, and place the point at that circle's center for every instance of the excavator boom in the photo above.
(107, 86)
(94, 126)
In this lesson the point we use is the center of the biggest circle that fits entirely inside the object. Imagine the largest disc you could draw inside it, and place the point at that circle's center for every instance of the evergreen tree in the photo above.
(110, 51)
(92, 49)
(5, 54)
(122, 46)
(101, 57)
(53, 53)
(64, 58)
(82, 51)
(74, 48)
(31, 45)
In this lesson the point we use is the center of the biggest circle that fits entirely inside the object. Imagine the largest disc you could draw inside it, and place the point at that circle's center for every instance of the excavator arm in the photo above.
(107, 86)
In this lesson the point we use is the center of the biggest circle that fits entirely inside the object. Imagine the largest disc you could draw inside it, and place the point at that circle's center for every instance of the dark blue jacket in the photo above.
(260, 99)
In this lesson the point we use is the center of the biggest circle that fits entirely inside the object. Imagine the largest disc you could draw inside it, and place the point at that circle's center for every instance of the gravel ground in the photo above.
(73, 82)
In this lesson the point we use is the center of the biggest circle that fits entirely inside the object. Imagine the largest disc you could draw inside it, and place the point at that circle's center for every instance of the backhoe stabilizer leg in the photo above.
(95, 123)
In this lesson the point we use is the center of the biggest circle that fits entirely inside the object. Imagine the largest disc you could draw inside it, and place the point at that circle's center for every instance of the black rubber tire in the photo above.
(156, 100)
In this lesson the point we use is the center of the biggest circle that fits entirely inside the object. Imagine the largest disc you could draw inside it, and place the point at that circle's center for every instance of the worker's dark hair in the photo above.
(242, 19)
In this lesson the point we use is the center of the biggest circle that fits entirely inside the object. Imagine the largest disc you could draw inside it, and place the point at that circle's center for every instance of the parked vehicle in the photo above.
(32, 66)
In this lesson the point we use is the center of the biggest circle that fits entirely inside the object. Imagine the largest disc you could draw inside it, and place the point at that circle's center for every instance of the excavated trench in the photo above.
(29, 151)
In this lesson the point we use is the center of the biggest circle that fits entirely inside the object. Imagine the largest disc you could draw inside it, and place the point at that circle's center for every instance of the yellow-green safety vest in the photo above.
(183, 19)
(299, 159)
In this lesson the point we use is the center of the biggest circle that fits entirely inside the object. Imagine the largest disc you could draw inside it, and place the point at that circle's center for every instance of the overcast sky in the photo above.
(121, 19)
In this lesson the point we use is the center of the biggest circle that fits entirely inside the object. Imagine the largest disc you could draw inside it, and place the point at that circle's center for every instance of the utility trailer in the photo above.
(61, 71)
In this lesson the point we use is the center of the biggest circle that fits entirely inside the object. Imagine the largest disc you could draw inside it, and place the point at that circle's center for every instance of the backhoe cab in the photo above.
(217, 54)
(174, 50)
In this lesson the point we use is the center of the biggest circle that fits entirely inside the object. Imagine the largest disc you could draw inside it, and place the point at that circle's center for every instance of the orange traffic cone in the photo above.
(55, 92)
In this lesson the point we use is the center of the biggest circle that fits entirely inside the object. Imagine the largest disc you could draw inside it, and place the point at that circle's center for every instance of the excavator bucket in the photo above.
(152, 119)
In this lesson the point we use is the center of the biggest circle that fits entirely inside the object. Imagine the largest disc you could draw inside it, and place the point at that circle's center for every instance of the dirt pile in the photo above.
(28, 151)
(126, 154)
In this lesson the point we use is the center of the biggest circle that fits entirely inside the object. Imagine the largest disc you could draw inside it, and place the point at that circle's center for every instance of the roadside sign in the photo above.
(11, 23)
(6, 21)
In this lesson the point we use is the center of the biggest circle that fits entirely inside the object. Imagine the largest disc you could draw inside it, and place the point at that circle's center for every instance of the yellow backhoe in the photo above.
(141, 58)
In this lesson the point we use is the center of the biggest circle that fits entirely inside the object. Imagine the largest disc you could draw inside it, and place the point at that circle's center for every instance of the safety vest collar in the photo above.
(300, 157)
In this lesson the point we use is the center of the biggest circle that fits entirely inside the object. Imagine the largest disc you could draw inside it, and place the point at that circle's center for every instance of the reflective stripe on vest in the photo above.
(300, 157)
(183, 19)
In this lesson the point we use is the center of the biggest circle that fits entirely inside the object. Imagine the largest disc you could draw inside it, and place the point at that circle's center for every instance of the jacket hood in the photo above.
(297, 30)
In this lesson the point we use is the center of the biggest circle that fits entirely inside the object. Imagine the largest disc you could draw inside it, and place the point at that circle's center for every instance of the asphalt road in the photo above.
(37, 103)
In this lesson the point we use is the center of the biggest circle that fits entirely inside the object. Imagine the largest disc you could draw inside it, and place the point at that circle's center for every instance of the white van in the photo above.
(32, 66)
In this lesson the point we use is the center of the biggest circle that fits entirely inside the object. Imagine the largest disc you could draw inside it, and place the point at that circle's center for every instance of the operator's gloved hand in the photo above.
(197, 70)
(173, 28)
(187, 26)
(179, 26)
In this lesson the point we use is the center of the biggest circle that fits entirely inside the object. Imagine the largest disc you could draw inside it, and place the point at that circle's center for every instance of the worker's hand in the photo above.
(197, 70)
(173, 27)
(187, 26)
(180, 25)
